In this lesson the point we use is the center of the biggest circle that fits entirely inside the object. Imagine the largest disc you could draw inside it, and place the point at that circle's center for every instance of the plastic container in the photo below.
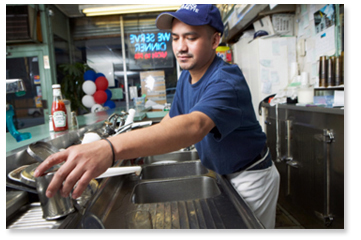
(74, 121)
(305, 95)
(139, 103)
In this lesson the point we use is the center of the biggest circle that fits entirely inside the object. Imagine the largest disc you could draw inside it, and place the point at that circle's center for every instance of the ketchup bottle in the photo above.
(58, 110)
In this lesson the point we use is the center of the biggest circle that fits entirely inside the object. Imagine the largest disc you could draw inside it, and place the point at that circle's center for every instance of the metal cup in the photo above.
(330, 72)
(338, 71)
(55, 207)
(323, 71)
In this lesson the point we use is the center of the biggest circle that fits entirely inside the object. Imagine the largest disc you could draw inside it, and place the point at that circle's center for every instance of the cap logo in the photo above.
(190, 7)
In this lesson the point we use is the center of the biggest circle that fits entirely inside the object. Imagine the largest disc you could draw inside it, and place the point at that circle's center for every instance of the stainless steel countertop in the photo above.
(338, 111)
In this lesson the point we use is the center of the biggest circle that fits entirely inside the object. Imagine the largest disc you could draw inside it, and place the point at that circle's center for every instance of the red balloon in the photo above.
(101, 83)
(100, 96)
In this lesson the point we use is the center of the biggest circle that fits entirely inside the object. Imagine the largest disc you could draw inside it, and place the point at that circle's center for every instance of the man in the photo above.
(212, 109)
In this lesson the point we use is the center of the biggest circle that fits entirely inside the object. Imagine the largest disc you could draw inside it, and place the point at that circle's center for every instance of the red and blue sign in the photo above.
(151, 50)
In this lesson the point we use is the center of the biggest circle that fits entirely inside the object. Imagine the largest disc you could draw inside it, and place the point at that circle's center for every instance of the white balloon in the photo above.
(89, 87)
(88, 101)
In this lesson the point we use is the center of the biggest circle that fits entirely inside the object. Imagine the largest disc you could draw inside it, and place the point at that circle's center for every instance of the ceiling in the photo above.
(70, 10)
(73, 10)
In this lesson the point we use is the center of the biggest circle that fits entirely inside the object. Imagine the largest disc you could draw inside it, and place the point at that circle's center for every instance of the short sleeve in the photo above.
(220, 102)
(176, 107)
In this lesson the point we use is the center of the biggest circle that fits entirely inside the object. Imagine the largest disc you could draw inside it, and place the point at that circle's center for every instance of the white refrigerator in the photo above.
(265, 63)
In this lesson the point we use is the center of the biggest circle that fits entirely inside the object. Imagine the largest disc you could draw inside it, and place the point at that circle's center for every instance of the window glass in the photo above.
(27, 106)
(97, 41)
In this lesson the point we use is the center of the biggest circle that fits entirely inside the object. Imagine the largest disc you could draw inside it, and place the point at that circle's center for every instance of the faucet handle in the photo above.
(108, 128)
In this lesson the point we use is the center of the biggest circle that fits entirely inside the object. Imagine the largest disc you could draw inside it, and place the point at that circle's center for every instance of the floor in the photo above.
(285, 221)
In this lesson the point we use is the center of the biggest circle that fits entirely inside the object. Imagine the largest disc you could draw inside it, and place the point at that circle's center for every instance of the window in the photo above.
(97, 40)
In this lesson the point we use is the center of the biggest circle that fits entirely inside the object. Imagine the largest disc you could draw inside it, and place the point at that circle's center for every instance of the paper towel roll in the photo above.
(304, 78)
(293, 71)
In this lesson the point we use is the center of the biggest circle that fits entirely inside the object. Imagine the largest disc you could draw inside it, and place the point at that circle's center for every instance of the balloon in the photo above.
(89, 87)
(99, 75)
(109, 94)
(89, 75)
(100, 96)
(88, 101)
(101, 83)
(109, 104)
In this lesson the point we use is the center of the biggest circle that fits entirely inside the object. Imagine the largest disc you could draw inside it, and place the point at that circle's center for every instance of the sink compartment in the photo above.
(175, 190)
(173, 170)
(172, 157)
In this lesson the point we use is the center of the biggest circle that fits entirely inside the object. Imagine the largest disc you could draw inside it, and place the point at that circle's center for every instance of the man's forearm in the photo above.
(169, 135)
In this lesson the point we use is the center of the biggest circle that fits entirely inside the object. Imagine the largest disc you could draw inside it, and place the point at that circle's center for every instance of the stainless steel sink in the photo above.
(177, 156)
(173, 170)
(175, 190)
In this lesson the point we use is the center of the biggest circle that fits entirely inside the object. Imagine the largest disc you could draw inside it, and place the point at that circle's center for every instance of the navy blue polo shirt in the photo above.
(223, 95)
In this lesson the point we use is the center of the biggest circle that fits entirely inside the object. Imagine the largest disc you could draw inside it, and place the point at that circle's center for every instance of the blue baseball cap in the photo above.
(194, 15)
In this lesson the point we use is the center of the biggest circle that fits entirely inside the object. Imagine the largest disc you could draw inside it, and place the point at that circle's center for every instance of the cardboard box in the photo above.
(264, 24)
(24, 103)
(283, 23)
(153, 86)
(21, 113)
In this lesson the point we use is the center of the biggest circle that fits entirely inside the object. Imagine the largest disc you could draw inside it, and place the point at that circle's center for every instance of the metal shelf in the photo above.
(329, 88)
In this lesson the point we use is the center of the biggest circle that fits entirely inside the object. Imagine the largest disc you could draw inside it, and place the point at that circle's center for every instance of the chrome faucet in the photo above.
(110, 125)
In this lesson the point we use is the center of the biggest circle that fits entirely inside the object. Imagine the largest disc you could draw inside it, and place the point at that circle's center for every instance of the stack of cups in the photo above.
(304, 79)
(293, 72)
(338, 71)
(305, 92)
(330, 72)
(323, 72)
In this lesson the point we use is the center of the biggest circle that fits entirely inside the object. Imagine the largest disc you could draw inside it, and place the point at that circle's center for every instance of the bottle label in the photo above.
(59, 118)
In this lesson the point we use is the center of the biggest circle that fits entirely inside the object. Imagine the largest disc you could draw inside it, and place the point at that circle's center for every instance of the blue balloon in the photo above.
(99, 75)
(109, 94)
(89, 75)
(109, 104)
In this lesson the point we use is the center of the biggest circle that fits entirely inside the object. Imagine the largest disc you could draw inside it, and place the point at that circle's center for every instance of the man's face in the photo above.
(193, 46)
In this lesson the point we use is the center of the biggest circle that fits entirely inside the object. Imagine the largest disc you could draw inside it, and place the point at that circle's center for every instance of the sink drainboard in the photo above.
(193, 214)
(32, 218)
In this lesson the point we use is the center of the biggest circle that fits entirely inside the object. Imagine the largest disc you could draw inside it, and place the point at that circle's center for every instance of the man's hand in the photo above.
(82, 163)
